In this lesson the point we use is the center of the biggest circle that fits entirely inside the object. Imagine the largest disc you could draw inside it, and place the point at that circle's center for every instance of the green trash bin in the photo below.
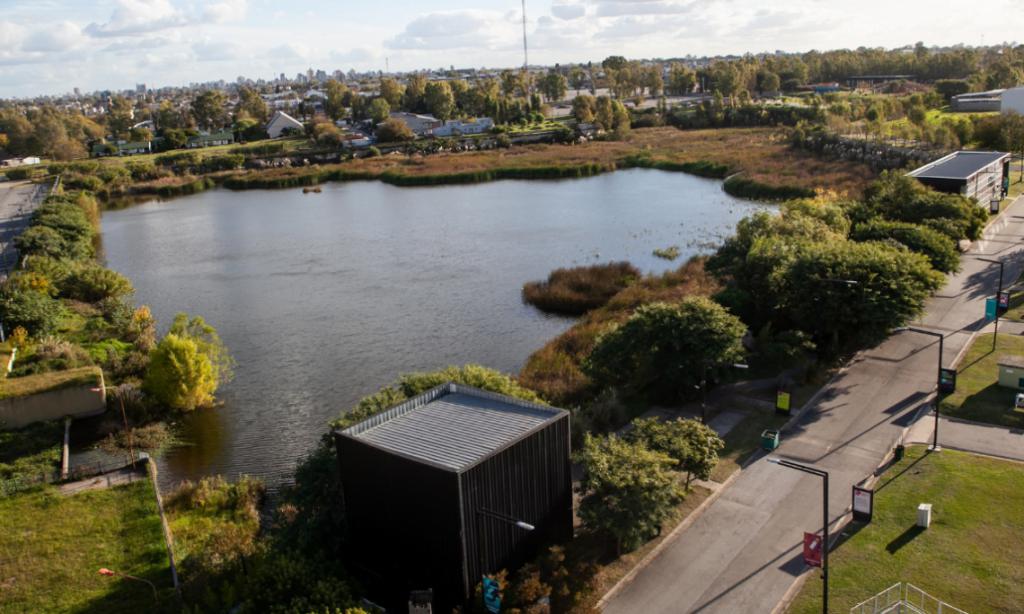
(770, 440)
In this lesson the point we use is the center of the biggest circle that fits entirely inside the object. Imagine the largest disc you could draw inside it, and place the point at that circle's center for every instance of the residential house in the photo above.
(121, 148)
(282, 123)
(421, 125)
(224, 137)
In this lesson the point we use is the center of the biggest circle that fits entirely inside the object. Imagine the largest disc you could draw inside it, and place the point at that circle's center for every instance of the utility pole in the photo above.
(526, 57)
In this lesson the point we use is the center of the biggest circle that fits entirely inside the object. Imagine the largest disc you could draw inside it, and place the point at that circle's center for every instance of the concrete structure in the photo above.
(75, 401)
(458, 127)
(983, 175)
(1011, 372)
(282, 123)
(1012, 100)
(421, 125)
(977, 102)
(429, 484)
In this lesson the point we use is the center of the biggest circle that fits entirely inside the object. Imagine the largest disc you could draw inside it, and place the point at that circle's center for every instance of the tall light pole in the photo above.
(999, 294)
(938, 379)
(824, 529)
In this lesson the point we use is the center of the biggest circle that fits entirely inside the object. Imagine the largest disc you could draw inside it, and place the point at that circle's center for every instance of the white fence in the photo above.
(904, 598)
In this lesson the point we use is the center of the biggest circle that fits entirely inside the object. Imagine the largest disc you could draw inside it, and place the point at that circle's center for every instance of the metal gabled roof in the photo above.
(453, 427)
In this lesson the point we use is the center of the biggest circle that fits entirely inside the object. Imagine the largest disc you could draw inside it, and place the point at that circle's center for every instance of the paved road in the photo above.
(743, 553)
(17, 202)
(970, 437)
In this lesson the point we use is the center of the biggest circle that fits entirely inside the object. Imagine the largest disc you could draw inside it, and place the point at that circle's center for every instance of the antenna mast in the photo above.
(526, 58)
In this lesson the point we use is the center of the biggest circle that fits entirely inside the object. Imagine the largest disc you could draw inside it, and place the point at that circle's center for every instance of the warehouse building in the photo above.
(450, 485)
(983, 175)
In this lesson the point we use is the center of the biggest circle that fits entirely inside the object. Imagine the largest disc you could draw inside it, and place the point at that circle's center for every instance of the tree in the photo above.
(5, 141)
(681, 80)
(694, 446)
(1013, 135)
(897, 197)
(663, 349)
(415, 89)
(941, 250)
(583, 108)
(628, 489)
(614, 62)
(188, 365)
(168, 117)
(209, 110)
(391, 91)
(34, 311)
(394, 130)
(767, 81)
(653, 80)
(338, 96)
(439, 100)
(577, 78)
(553, 85)
(119, 116)
(251, 104)
(379, 110)
(140, 134)
(952, 87)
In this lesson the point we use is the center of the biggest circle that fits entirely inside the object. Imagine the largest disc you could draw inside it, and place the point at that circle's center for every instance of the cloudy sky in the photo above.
(50, 47)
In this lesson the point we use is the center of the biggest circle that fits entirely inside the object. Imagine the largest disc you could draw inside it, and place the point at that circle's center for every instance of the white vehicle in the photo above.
(1018, 403)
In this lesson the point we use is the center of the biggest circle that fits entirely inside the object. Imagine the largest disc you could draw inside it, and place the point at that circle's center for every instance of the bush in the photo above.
(578, 290)
(741, 187)
(227, 162)
(180, 376)
(259, 149)
(394, 131)
(92, 283)
(896, 197)
(412, 384)
(939, 248)
(40, 241)
(37, 312)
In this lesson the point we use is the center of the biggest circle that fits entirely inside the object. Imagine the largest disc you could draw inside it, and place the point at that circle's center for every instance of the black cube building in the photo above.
(433, 488)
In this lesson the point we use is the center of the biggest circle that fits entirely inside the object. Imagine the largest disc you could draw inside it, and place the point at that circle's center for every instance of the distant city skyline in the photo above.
(49, 47)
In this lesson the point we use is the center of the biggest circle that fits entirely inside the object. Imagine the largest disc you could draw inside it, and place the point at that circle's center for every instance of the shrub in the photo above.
(412, 384)
(180, 376)
(92, 283)
(394, 131)
(37, 312)
(226, 162)
(939, 248)
(578, 290)
(741, 187)
(40, 241)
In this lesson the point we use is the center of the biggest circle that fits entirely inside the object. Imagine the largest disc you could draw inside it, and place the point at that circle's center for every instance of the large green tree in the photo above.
(664, 349)
(694, 446)
(439, 100)
(628, 489)
(209, 110)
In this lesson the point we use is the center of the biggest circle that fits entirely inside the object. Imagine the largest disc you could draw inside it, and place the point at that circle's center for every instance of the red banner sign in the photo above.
(812, 549)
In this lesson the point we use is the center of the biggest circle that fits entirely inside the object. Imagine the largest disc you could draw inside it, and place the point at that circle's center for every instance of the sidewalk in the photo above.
(744, 552)
(976, 437)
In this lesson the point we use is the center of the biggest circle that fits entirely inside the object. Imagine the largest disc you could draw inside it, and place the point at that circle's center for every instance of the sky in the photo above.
(51, 47)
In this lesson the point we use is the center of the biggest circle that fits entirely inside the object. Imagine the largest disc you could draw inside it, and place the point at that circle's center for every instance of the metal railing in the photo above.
(78, 472)
(904, 598)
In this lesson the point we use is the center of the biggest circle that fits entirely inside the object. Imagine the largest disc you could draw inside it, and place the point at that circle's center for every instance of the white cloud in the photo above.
(456, 30)
(616, 8)
(356, 55)
(289, 52)
(62, 36)
(132, 17)
(568, 11)
(228, 10)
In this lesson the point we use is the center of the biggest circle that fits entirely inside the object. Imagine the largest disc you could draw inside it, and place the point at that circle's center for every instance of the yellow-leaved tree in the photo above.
(188, 365)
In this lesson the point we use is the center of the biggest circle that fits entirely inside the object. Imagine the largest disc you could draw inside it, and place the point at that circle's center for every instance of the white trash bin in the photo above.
(924, 515)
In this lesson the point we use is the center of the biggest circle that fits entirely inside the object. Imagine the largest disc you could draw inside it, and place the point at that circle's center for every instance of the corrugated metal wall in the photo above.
(531, 481)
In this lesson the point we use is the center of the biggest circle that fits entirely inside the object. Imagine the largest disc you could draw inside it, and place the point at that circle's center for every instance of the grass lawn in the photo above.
(970, 557)
(743, 440)
(978, 396)
(52, 546)
(31, 451)
(51, 380)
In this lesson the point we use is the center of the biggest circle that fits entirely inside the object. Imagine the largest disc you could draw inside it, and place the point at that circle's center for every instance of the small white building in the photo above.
(421, 125)
(1012, 100)
(281, 122)
(458, 127)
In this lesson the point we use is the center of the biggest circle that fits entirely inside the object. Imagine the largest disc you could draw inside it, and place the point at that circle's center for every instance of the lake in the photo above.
(324, 298)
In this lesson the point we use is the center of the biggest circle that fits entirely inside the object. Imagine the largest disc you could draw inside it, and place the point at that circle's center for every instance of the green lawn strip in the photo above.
(52, 380)
(970, 557)
(978, 396)
(31, 452)
(52, 546)
(743, 440)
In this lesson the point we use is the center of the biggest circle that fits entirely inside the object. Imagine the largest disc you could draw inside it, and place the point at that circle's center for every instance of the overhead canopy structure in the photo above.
(975, 174)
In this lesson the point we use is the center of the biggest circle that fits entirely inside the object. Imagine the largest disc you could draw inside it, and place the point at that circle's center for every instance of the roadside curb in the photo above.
(653, 554)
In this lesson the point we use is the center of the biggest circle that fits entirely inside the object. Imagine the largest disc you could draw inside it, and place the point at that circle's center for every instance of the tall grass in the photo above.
(742, 187)
(577, 290)
(554, 370)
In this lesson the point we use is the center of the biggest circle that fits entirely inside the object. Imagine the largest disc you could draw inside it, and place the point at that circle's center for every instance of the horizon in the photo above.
(116, 44)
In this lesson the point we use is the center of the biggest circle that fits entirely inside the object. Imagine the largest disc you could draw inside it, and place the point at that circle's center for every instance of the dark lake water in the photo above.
(324, 298)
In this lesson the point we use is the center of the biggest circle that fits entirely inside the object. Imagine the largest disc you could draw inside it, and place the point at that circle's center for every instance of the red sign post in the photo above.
(812, 549)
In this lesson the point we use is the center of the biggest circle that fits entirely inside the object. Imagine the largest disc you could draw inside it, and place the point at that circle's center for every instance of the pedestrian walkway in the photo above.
(743, 553)
(976, 437)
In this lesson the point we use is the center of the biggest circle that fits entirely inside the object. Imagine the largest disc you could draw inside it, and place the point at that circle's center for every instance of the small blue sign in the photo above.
(990, 308)
(492, 595)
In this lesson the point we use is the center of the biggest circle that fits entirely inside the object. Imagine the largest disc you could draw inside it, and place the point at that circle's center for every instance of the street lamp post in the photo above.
(110, 573)
(486, 514)
(938, 379)
(824, 529)
(999, 294)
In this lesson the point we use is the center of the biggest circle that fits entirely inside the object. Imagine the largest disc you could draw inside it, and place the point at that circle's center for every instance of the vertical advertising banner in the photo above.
(812, 549)
(863, 503)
